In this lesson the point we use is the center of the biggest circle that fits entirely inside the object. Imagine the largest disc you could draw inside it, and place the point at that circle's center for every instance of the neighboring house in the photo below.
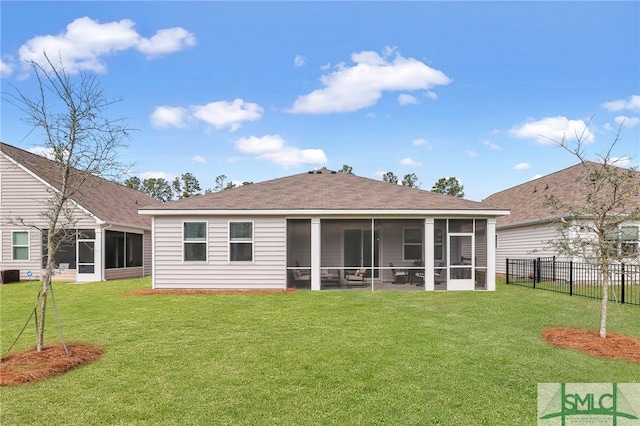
(110, 240)
(526, 233)
(323, 229)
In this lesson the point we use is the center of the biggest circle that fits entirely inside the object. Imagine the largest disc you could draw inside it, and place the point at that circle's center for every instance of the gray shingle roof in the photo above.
(323, 190)
(109, 201)
(526, 201)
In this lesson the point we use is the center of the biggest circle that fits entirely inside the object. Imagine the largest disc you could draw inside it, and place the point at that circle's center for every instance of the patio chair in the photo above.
(399, 277)
(301, 279)
(356, 277)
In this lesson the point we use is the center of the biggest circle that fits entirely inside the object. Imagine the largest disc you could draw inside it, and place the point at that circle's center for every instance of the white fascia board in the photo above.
(335, 213)
(47, 184)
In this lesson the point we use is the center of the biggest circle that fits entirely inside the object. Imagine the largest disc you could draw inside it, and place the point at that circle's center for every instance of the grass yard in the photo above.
(331, 357)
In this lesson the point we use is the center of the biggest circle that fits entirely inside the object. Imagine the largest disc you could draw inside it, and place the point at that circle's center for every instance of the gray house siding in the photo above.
(267, 270)
(523, 242)
(22, 196)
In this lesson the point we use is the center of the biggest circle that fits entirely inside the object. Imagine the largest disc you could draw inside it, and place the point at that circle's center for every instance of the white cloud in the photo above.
(199, 159)
(6, 68)
(352, 88)
(405, 99)
(421, 142)
(522, 166)
(85, 42)
(42, 151)
(409, 162)
(551, 130)
(627, 122)
(632, 104)
(621, 161)
(538, 176)
(166, 41)
(492, 146)
(431, 95)
(225, 114)
(299, 61)
(471, 153)
(275, 149)
(165, 116)
(157, 175)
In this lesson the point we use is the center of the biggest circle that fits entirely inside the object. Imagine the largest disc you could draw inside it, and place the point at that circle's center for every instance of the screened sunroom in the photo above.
(389, 253)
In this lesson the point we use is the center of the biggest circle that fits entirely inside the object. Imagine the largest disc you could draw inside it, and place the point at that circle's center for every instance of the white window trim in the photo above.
(28, 259)
(252, 241)
(206, 241)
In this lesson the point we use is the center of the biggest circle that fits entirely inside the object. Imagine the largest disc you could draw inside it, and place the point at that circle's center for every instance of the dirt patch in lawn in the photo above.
(31, 365)
(614, 346)
(148, 291)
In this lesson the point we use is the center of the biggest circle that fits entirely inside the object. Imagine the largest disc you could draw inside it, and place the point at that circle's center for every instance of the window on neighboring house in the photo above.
(241, 241)
(629, 240)
(412, 240)
(20, 245)
(624, 240)
(195, 241)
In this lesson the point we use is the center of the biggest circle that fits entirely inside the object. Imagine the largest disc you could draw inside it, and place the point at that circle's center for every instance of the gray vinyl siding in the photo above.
(23, 196)
(523, 242)
(147, 248)
(267, 270)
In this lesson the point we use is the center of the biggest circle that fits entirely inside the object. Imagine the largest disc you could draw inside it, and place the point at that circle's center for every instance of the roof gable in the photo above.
(322, 190)
(526, 201)
(108, 201)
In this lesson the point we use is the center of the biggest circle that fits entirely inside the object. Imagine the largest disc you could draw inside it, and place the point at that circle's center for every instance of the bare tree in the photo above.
(607, 197)
(82, 143)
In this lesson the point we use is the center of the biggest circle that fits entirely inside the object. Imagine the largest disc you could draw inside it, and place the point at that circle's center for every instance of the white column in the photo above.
(429, 265)
(315, 253)
(491, 254)
(99, 254)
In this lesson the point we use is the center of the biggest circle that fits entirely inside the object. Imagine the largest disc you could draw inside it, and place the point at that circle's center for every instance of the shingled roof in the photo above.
(526, 201)
(320, 190)
(107, 200)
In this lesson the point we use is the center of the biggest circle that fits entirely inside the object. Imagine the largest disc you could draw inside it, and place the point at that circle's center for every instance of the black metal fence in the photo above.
(576, 279)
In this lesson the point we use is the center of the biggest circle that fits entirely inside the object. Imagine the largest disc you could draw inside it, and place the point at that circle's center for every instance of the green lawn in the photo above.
(331, 357)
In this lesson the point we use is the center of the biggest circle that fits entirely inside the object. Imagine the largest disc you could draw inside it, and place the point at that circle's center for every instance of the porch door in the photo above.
(357, 249)
(460, 262)
(86, 246)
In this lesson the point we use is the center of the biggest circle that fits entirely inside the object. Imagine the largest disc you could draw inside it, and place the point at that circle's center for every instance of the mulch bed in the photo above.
(614, 346)
(31, 365)
(149, 291)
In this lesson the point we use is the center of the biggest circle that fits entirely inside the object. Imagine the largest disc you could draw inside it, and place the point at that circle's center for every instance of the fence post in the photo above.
(553, 269)
(571, 278)
(622, 282)
(535, 272)
(507, 270)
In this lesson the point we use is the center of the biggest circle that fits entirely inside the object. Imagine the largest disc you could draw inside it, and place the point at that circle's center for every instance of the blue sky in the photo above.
(260, 90)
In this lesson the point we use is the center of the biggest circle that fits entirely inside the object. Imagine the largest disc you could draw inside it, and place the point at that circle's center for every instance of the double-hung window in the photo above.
(240, 241)
(629, 240)
(195, 241)
(412, 240)
(20, 245)
(624, 240)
